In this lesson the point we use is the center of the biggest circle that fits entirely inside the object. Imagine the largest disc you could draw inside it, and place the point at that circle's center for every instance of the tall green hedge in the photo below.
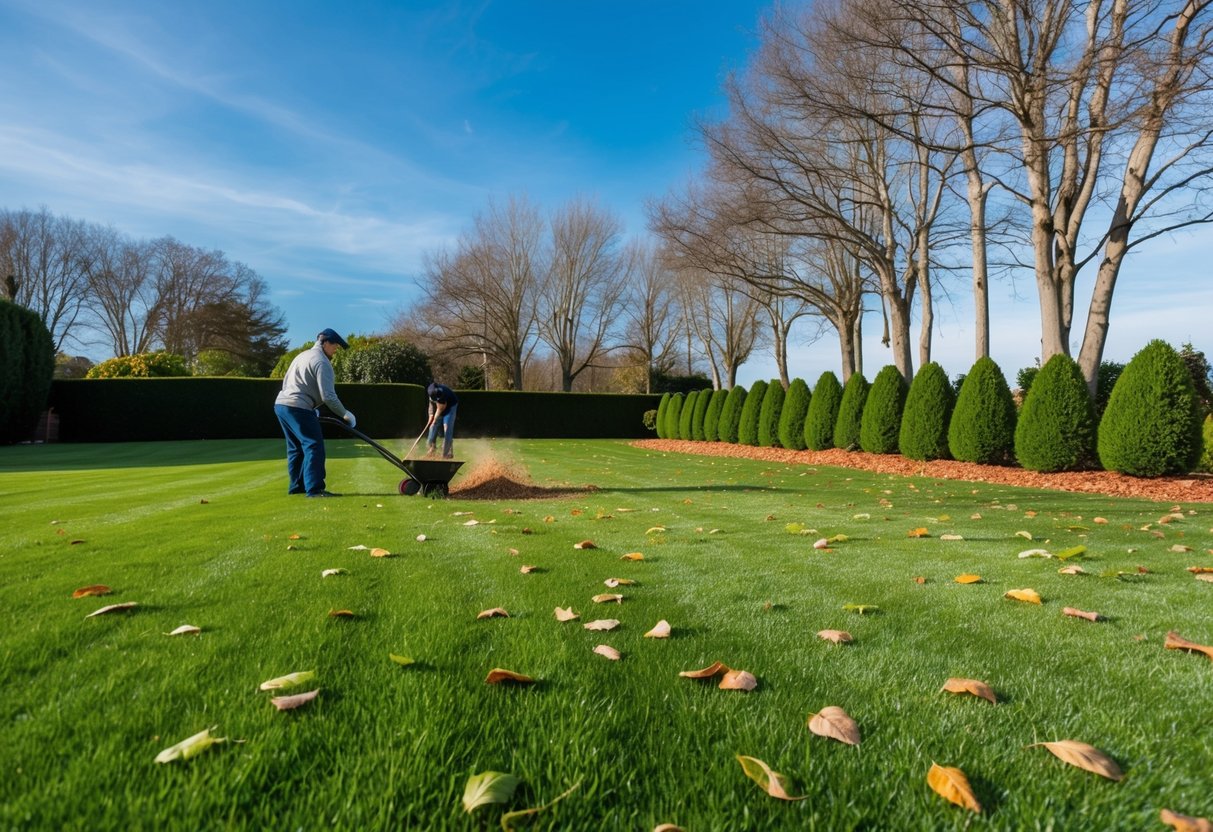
(769, 415)
(822, 415)
(673, 415)
(1206, 454)
(924, 422)
(850, 412)
(701, 412)
(730, 415)
(880, 425)
(711, 419)
(661, 409)
(1152, 423)
(791, 420)
(747, 429)
(983, 422)
(687, 415)
(1056, 430)
(27, 363)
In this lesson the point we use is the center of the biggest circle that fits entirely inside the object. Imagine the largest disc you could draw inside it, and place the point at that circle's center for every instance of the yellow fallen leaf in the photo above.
(1175, 641)
(607, 598)
(614, 582)
(95, 589)
(738, 680)
(289, 703)
(972, 686)
(771, 782)
(498, 675)
(952, 785)
(667, 827)
(189, 747)
(1195, 570)
(290, 680)
(472, 522)
(602, 624)
(403, 661)
(585, 544)
(968, 579)
(836, 724)
(632, 556)
(1083, 756)
(1072, 569)
(608, 651)
(341, 614)
(495, 612)
(1099, 520)
(380, 553)
(1184, 823)
(660, 630)
(1025, 535)
(1029, 596)
(185, 630)
(921, 531)
(655, 530)
(714, 669)
(526, 570)
(566, 614)
(295, 537)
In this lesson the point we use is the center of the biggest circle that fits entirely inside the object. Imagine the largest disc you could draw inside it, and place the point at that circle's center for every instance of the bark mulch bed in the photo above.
(1186, 489)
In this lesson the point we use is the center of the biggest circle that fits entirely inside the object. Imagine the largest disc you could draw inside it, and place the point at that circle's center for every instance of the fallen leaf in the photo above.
(290, 680)
(834, 723)
(950, 537)
(1179, 547)
(566, 614)
(1184, 823)
(862, 516)
(974, 516)
(614, 582)
(1035, 553)
(608, 651)
(189, 747)
(295, 537)
(95, 589)
(359, 548)
(585, 544)
(660, 630)
(655, 530)
(1204, 576)
(289, 703)
(1072, 552)
(1175, 641)
(1024, 535)
(607, 598)
(341, 614)
(1100, 520)
(836, 636)
(952, 785)
(495, 612)
(1195, 570)
(920, 580)
(488, 787)
(919, 532)
(1072, 569)
(185, 630)
(328, 573)
(204, 502)
(114, 608)
(1083, 756)
(602, 624)
(421, 538)
(498, 675)
(1027, 595)
(771, 782)
(403, 661)
(862, 609)
(526, 570)
(715, 531)
(472, 523)
(972, 686)
(968, 579)
(576, 512)
(1077, 613)
(513, 552)
(738, 680)
(714, 669)
(380, 553)
(632, 556)
(821, 544)
(526, 530)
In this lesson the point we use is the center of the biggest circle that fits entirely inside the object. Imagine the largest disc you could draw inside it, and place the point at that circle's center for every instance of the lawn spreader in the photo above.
(429, 477)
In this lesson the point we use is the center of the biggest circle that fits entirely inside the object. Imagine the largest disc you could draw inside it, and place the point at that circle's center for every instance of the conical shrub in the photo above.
(850, 412)
(673, 413)
(730, 415)
(881, 422)
(769, 415)
(687, 414)
(924, 422)
(791, 418)
(661, 409)
(1206, 455)
(701, 411)
(711, 419)
(983, 422)
(822, 415)
(1152, 422)
(1056, 430)
(747, 429)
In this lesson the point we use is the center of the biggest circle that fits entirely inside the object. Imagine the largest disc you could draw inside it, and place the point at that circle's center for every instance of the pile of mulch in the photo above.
(1186, 489)
(491, 479)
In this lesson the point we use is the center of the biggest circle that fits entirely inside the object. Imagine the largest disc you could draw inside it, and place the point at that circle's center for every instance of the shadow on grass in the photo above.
(86, 456)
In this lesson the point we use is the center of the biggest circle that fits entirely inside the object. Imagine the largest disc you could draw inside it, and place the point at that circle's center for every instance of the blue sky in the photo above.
(330, 146)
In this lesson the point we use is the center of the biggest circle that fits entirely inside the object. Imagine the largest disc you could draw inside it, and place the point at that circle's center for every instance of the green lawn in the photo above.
(201, 533)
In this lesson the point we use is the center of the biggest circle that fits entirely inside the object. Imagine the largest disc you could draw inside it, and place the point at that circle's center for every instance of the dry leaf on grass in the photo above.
(585, 544)
(95, 589)
(380, 553)
(1081, 755)
(771, 782)
(607, 598)
(1184, 823)
(289, 703)
(1195, 570)
(836, 724)
(660, 630)
(290, 680)
(952, 785)
(1204, 576)
(920, 580)
(359, 548)
(632, 556)
(614, 582)
(189, 747)
(919, 532)
(526, 570)
(472, 523)
(495, 612)
(1179, 547)
(328, 573)
(565, 614)
(421, 538)
(498, 675)
(295, 537)
(972, 686)
(1028, 596)
(655, 530)
(738, 680)
(1077, 613)
(950, 537)
(185, 630)
(667, 827)
(1072, 569)
(602, 624)
(1035, 553)
(1177, 642)
(714, 669)
(821, 544)
(128, 605)
(968, 579)
(608, 651)
(1025, 535)
(1102, 521)
(341, 614)
(836, 636)
(488, 787)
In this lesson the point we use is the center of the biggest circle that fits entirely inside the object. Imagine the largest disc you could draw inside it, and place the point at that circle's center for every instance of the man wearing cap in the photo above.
(442, 407)
(308, 384)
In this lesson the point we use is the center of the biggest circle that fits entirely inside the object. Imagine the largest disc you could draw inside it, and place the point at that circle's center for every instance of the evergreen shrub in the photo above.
(769, 415)
(850, 412)
(791, 419)
(924, 422)
(1056, 429)
(661, 409)
(673, 414)
(1206, 454)
(701, 412)
(747, 428)
(823, 413)
(730, 415)
(27, 366)
(687, 414)
(982, 428)
(881, 422)
(711, 418)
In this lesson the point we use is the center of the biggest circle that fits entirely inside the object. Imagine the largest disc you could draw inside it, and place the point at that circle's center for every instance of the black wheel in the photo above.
(409, 486)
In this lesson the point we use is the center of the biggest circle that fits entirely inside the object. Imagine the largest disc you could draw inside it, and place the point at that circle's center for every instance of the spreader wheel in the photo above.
(409, 486)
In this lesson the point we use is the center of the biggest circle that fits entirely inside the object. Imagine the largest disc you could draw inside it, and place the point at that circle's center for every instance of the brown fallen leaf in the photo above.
(972, 686)
(836, 724)
(952, 785)
(920, 580)
(585, 544)
(1077, 613)
(526, 530)
(1072, 569)
(1175, 641)
(513, 552)
(836, 636)
(498, 675)
(566, 614)
(632, 556)
(660, 630)
(607, 598)
(1184, 823)
(341, 614)
(114, 608)
(380, 553)
(1179, 547)
(526, 570)
(968, 579)
(614, 582)
(608, 651)
(919, 532)
(1195, 570)
(738, 680)
(95, 589)
(1102, 521)
(667, 827)
(495, 612)
(287, 703)
(771, 782)
(204, 502)
(602, 624)
(295, 537)
(714, 669)
(1028, 596)
(1081, 755)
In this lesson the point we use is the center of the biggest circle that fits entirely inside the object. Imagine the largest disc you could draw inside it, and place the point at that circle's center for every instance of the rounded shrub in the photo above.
(144, 365)
(673, 412)
(27, 365)
(730, 415)
(661, 409)
(711, 418)
(1152, 423)
(747, 429)
(850, 412)
(687, 414)
(983, 422)
(769, 415)
(791, 419)
(822, 415)
(388, 361)
(1056, 430)
(924, 422)
(701, 412)
(881, 422)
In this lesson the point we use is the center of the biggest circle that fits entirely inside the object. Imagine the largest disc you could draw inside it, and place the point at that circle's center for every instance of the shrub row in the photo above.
(27, 363)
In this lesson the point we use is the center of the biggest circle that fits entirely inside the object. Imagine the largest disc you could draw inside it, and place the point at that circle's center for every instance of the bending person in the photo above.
(442, 407)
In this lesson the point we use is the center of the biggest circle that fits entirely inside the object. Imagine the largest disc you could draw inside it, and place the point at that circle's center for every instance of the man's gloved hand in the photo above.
(349, 419)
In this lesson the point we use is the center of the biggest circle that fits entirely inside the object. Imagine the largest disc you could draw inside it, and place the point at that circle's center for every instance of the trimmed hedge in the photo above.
(850, 412)
(121, 410)
(924, 422)
(769, 415)
(1056, 430)
(673, 414)
(1152, 423)
(983, 422)
(687, 415)
(701, 412)
(881, 423)
(791, 420)
(27, 364)
(711, 419)
(747, 428)
(661, 408)
(730, 415)
(822, 415)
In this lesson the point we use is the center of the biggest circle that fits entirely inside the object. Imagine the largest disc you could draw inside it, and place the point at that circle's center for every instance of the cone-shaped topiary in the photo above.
(730, 415)
(850, 412)
(673, 413)
(701, 412)
(747, 429)
(1056, 430)
(881, 422)
(1206, 455)
(791, 419)
(769, 415)
(1152, 423)
(924, 422)
(983, 422)
(823, 413)
(711, 419)
(661, 408)
(687, 414)
(27, 364)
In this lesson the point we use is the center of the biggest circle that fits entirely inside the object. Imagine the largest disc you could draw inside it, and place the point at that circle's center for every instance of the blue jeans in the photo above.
(304, 448)
(447, 420)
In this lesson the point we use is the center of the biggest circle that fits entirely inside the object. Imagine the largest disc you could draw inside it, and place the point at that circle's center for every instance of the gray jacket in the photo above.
(309, 382)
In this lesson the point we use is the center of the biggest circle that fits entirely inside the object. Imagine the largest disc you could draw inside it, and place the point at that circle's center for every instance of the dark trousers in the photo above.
(304, 448)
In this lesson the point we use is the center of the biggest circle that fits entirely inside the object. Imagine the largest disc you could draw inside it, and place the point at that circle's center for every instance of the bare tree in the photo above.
(188, 280)
(45, 256)
(122, 293)
(651, 313)
(723, 317)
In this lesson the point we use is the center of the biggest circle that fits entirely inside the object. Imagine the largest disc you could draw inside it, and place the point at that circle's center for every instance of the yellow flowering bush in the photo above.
(144, 365)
